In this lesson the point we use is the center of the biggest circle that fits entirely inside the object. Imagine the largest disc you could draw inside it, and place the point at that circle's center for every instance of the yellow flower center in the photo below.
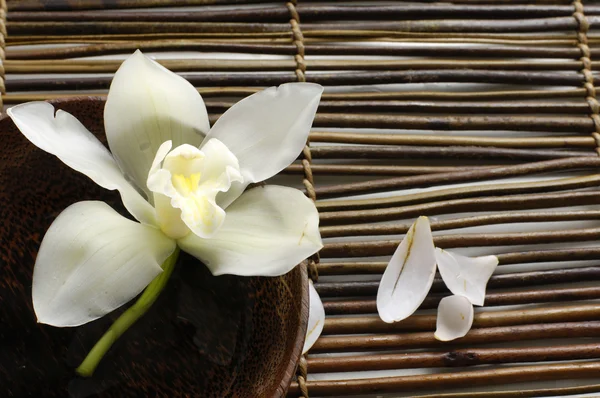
(186, 181)
(185, 185)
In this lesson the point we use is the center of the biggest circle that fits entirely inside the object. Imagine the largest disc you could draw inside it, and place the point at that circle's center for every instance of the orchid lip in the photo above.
(185, 182)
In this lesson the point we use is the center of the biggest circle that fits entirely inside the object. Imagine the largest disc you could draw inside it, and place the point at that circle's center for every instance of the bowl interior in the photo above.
(205, 336)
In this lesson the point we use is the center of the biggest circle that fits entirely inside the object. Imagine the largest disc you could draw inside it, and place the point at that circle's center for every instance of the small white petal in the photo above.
(466, 276)
(316, 318)
(92, 261)
(146, 106)
(267, 232)
(454, 318)
(66, 138)
(409, 274)
(267, 131)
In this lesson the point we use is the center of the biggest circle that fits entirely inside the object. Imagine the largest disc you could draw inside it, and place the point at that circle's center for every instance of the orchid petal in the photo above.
(146, 106)
(267, 131)
(92, 261)
(454, 318)
(65, 137)
(267, 232)
(409, 274)
(316, 318)
(466, 276)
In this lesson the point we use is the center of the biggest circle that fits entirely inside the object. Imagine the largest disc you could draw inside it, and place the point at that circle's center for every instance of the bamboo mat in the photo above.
(480, 114)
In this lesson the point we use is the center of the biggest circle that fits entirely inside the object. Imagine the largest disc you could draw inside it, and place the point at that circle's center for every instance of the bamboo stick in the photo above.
(558, 184)
(421, 25)
(536, 256)
(535, 107)
(444, 107)
(440, 64)
(105, 27)
(419, 139)
(379, 170)
(545, 186)
(571, 163)
(499, 203)
(336, 79)
(312, 37)
(474, 107)
(437, 152)
(532, 296)
(174, 65)
(448, 38)
(387, 247)
(523, 393)
(280, 13)
(207, 14)
(445, 123)
(211, 92)
(155, 45)
(504, 334)
(186, 65)
(465, 222)
(564, 38)
(459, 25)
(517, 280)
(486, 319)
(65, 5)
(519, 374)
(500, 95)
(501, 51)
(247, 38)
(460, 357)
(545, 39)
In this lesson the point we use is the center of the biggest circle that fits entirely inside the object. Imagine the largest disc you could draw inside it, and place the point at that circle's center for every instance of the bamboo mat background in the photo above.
(480, 114)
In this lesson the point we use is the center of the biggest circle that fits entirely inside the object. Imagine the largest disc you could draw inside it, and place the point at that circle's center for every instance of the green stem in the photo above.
(128, 318)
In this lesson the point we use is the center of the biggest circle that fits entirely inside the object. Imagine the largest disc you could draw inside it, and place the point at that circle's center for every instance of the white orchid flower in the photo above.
(182, 180)
(409, 275)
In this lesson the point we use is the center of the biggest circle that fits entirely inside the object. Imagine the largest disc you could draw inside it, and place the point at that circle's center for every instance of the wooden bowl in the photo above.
(205, 336)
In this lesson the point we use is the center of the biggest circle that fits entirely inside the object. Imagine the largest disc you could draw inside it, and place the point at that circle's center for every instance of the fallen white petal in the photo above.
(66, 138)
(316, 318)
(454, 318)
(267, 131)
(91, 261)
(409, 274)
(146, 106)
(466, 276)
(266, 232)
